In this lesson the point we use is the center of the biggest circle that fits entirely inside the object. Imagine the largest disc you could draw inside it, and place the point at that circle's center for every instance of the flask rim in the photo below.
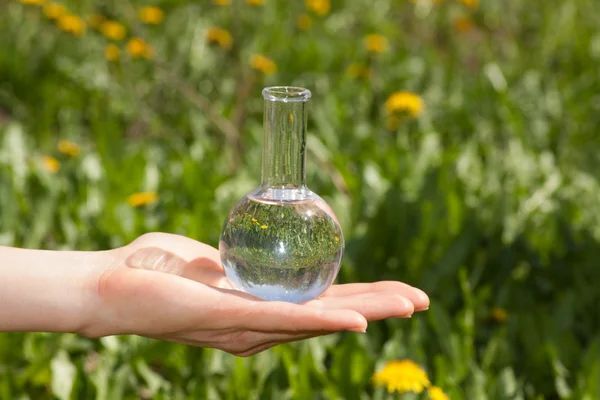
(286, 94)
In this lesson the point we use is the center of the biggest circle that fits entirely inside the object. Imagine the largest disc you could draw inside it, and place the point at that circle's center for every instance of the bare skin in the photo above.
(173, 288)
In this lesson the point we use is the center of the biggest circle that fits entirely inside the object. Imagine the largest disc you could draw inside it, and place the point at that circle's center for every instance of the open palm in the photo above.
(173, 288)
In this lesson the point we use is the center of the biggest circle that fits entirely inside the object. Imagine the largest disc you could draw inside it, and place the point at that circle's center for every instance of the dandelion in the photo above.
(219, 36)
(142, 199)
(72, 24)
(50, 164)
(319, 7)
(112, 52)
(470, 3)
(499, 315)
(303, 22)
(404, 102)
(402, 376)
(33, 2)
(463, 24)
(54, 10)
(263, 64)
(113, 30)
(151, 15)
(436, 393)
(137, 47)
(96, 20)
(263, 227)
(337, 239)
(68, 148)
(255, 2)
(222, 2)
(376, 43)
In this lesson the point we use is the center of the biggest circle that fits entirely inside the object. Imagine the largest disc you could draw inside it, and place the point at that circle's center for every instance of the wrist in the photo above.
(48, 291)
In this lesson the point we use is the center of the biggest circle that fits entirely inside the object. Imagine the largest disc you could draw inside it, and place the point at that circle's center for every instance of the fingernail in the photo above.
(359, 330)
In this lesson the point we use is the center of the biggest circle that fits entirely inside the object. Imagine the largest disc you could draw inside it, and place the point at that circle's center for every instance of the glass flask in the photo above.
(282, 241)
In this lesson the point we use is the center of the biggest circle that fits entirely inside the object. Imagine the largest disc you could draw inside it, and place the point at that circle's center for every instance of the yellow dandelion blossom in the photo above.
(72, 24)
(263, 64)
(463, 24)
(222, 2)
(254, 220)
(436, 393)
(142, 199)
(112, 52)
(337, 239)
(54, 10)
(470, 3)
(113, 30)
(219, 36)
(376, 43)
(319, 7)
(50, 164)
(499, 315)
(263, 227)
(68, 148)
(303, 22)
(404, 102)
(255, 2)
(151, 15)
(138, 48)
(402, 376)
(33, 2)
(96, 20)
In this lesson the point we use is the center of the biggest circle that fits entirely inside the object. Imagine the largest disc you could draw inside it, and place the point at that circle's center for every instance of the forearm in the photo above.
(47, 291)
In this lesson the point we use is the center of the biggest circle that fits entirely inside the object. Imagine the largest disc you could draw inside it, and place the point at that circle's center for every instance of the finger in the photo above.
(276, 316)
(373, 306)
(185, 248)
(419, 298)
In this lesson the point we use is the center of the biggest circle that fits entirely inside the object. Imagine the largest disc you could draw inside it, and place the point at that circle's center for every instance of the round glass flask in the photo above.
(282, 241)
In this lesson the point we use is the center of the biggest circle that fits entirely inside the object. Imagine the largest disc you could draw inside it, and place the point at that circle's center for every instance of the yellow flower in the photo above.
(219, 36)
(137, 47)
(69, 148)
(357, 71)
(463, 24)
(263, 227)
(50, 164)
(112, 52)
(376, 43)
(263, 64)
(151, 15)
(96, 20)
(319, 7)
(303, 22)
(54, 10)
(436, 393)
(499, 315)
(470, 3)
(33, 2)
(402, 376)
(142, 199)
(113, 30)
(404, 102)
(72, 23)
(222, 2)
(255, 2)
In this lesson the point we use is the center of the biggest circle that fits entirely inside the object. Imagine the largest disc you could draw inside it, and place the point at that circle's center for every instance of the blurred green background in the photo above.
(478, 182)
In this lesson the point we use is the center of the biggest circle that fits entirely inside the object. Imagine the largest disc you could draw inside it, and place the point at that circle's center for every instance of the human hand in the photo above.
(173, 288)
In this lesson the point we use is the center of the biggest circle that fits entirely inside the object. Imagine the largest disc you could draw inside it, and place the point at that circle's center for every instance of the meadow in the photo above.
(456, 140)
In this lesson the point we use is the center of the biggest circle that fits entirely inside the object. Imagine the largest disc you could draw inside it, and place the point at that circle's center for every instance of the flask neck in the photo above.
(284, 146)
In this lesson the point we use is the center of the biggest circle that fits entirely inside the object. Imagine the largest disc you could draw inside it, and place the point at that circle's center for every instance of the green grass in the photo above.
(489, 199)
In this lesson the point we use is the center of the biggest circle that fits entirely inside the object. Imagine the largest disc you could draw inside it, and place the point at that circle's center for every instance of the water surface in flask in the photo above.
(282, 250)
